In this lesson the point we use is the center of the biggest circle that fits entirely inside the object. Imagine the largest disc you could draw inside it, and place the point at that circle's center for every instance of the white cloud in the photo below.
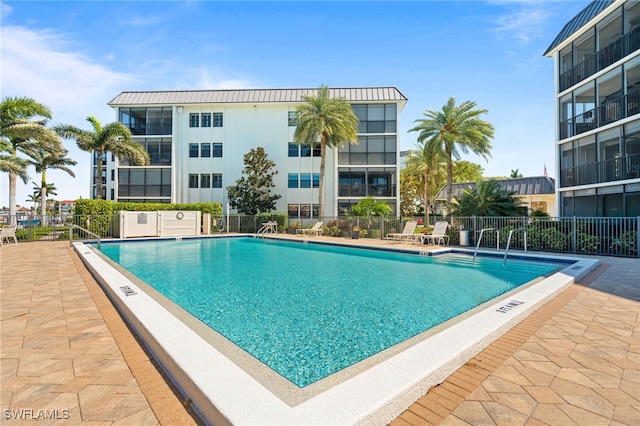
(38, 64)
(524, 20)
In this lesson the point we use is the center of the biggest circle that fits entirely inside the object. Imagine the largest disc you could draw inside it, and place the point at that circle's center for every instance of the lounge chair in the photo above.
(316, 229)
(407, 234)
(8, 231)
(438, 235)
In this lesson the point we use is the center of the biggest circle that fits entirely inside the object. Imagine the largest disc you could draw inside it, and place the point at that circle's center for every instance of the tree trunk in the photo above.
(12, 199)
(427, 200)
(449, 179)
(98, 177)
(323, 150)
(43, 197)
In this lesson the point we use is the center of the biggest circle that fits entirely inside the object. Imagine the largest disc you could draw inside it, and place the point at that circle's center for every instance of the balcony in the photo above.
(621, 168)
(617, 50)
(362, 190)
(614, 110)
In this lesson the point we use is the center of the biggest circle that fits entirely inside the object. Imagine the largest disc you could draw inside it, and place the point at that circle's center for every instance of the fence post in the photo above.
(573, 233)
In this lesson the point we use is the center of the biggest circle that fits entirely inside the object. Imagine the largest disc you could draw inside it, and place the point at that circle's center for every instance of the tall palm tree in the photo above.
(22, 128)
(428, 162)
(112, 137)
(10, 163)
(329, 122)
(35, 199)
(455, 129)
(43, 160)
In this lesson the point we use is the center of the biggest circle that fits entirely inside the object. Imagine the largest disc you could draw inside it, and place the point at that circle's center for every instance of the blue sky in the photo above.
(76, 56)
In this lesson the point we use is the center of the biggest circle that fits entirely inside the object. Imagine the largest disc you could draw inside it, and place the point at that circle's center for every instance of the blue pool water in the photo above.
(310, 310)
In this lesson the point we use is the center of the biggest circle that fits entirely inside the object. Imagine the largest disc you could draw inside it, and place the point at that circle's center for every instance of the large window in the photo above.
(293, 118)
(216, 180)
(144, 182)
(206, 119)
(293, 180)
(194, 120)
(147, 121)
(305, 180)
(159, 150)
(205, 181)
(193, 150)
(370, 150)
(193, 181)
(217, 119)
(376, 118)
(205, 150)
(217, 150)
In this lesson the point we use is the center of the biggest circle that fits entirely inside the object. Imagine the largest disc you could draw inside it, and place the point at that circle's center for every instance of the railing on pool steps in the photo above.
(524, 231)
(480, 240)
(81, 229)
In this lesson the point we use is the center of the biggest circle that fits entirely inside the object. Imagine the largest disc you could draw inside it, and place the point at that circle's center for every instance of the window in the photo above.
(292, 209)
(113, 174)
(206, 119)
(217, 180)
(193, 181)
(316, 180)
(147, 121)
(205, 181)
(113, 194)
(217, 119)
(293, 118)
(205, 150)
(193, 150)
(294, 149)
(305, 150)
(305, 180)
(305, 210)
(293, 180)
(194, 120)
(217, 150)
(135, 182)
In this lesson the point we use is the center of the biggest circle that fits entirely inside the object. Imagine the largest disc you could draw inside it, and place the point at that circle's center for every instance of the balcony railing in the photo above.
(621, 168)
(614, 110)
(366, 190)
(620, 48)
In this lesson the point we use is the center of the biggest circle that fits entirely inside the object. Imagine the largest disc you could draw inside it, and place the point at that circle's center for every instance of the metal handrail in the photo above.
(72, 226)
(480, 239)
(506, 250)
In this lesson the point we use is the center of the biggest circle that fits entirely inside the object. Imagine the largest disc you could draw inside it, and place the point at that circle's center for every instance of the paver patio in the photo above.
(66, 352)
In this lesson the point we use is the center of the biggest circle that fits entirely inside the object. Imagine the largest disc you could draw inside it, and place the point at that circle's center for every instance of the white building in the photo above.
(597, 87)
(197, 139)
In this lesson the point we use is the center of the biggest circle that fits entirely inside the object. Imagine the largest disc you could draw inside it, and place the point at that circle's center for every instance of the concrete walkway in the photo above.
(67, 357)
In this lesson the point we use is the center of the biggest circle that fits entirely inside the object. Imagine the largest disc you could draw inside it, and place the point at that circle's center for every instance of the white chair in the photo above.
(8, 231)
(407, 234)
(438, 235)
(316, 230)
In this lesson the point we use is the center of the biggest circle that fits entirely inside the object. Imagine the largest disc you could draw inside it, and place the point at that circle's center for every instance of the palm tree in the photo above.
(22, 128)
(455, 129)
(328, 121)
(10, 163)
(35, 199)
(427, 162)
(43, 160)
(515, 174)
(488, 198)
(113, 137)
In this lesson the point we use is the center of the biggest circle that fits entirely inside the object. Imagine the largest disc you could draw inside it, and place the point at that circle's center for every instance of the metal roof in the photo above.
(521, 186)
(578, 21)
(186, 97)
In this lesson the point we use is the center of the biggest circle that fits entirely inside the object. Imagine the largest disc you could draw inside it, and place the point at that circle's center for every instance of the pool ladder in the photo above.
(270, 227)
(497, 231)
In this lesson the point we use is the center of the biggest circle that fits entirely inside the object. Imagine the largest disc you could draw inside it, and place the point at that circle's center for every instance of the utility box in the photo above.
(206, 223)
(464, 237)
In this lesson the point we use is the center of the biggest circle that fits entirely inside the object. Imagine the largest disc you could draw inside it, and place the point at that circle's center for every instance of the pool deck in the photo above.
(67, 354)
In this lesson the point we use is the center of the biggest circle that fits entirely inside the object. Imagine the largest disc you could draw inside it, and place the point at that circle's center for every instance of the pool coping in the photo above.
(223, 393)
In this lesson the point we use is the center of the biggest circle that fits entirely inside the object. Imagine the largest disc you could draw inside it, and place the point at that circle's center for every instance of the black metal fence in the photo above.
(579, 235)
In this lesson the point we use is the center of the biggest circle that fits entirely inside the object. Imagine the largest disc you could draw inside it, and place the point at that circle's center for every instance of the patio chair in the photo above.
(8, 231)
(316, 230)
(438, 235)
(407, 234)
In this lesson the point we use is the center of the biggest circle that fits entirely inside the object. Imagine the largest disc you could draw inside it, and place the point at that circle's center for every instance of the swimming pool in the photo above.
(308, 310)
(373, 391)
